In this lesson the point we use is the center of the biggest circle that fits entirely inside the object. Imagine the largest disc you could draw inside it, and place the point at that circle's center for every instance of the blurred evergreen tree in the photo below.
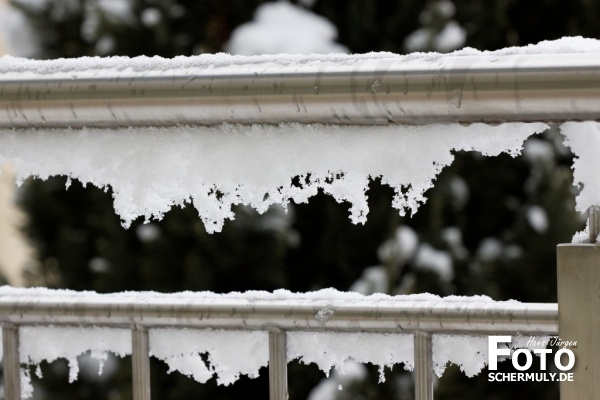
(494, 221)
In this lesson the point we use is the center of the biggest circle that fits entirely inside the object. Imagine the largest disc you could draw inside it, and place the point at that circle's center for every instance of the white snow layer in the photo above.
(583, 138)
(49, 343)
(329, 350)
(13, 67)
(229, 353)
(470, 353)
(152, 169)
(328, 389)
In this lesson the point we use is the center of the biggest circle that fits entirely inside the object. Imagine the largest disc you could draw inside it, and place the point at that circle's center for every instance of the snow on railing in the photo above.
(189, 138)
(242, 332)
(533, 83)
(220, 130)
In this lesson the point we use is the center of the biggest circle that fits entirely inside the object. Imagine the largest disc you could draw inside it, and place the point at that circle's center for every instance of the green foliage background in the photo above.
(82, 245)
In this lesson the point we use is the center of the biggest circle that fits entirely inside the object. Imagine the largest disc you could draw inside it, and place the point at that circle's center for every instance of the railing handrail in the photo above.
(422, 317)
(365, 89)
(287, 314)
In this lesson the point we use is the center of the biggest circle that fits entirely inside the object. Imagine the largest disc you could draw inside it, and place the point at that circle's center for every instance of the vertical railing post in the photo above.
(578, 311)
(594, 223)
(423, 366)
(11, 362)
(140, 363)
(278, 389)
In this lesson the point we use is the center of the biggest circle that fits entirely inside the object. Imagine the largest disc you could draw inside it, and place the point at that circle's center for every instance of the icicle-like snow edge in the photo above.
(152, 169)
(203, 353)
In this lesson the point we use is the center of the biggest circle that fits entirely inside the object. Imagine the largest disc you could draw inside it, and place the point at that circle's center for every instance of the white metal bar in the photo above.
(423, 366)
(140, 363)
(348, 90)
(11, 362)
(278, 388)
(293, 313)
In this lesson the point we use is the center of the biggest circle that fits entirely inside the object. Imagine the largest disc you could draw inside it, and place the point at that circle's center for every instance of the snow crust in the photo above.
(583, 138)
(565, 45)
(229, 353)
(152, 169)
(334, 349)
(328, 389)
(49, 343)
(14, 67)
(8, 293)
(470, 353)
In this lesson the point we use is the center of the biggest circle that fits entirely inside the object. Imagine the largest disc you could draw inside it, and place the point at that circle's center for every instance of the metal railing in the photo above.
(369, 90)
(380, 90)
(277, 316)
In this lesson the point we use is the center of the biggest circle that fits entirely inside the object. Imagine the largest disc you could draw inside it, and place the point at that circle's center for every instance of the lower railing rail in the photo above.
(275, 315)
